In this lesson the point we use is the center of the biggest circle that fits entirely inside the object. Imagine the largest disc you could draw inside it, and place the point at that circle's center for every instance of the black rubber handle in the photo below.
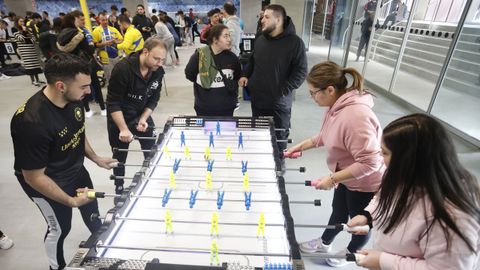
(94, 216)
(351, 257)
(302, 169)
(317, 202)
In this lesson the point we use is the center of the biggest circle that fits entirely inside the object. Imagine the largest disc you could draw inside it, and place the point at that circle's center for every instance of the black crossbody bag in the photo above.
(230, 85)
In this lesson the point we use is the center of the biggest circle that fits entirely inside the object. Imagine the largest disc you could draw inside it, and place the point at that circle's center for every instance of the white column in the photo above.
(249, 10)
(295, 10)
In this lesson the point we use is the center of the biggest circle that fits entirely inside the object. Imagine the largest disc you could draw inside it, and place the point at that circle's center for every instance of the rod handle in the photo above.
(94, 216)
(363, 228)
(292, 155)
(355, 257)
(312, 183)
(92, 194)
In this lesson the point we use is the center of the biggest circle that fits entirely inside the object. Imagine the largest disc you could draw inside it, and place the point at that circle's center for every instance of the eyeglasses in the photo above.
(313, 93)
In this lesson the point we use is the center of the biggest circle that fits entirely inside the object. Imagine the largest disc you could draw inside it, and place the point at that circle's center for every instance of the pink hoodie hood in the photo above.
(352, 98)
(351, 134)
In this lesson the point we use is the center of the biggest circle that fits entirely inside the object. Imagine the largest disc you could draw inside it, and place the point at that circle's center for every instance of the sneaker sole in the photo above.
(313, 251)
(327, 261)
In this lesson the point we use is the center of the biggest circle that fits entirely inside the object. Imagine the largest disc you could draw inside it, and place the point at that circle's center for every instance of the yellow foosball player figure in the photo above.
(172, 183)
(209, 181)
(167, 152)
(229, 153)
(214, 228)
(187, 153)
(261, 226)
(246, 185)
(207, 153)
(214, 253)
(168, 222)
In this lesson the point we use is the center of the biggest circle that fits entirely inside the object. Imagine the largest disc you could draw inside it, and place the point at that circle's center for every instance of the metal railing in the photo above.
(346, 31)
(379, 37)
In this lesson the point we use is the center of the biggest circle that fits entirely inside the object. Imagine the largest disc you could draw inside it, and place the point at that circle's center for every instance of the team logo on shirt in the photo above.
(78, 114)
(21, 109)
(154, 85)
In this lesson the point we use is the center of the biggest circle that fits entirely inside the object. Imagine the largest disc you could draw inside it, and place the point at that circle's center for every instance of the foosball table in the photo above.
(211, 195)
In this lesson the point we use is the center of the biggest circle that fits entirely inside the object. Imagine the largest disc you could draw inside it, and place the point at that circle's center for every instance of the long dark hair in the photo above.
(424, 164)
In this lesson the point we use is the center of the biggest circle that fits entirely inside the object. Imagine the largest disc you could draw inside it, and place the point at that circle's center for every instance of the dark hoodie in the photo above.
(140, 21)
(217, 97)
(277, 66)
(129, 92)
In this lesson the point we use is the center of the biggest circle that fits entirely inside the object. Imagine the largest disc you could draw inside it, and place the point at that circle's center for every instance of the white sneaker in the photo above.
(339, 262)
(103, 112)
(315, 245)
(5, 242)
(4, 77)
(89, 114)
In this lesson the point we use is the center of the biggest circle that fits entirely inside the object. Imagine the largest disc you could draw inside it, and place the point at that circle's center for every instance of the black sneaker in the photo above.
(118, 189)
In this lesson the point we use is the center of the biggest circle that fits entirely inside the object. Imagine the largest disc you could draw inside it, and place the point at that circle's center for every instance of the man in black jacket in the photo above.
(365, 37)
(276, 68)
(142, 22)
(133, 93)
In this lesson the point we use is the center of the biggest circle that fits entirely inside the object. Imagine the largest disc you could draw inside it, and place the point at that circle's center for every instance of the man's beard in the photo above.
(268, 30)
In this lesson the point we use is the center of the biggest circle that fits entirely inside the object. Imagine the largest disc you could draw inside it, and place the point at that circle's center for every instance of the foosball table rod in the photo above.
(97, 194)
(342, 227)
(180, 180)
(121, 164)
(187, 250)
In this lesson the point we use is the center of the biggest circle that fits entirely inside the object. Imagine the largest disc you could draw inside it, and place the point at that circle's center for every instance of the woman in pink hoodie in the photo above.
(427, 213)
(351, 134)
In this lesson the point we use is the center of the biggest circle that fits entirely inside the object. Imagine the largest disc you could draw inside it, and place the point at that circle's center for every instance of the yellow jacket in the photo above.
(99, 36)
(132, 41)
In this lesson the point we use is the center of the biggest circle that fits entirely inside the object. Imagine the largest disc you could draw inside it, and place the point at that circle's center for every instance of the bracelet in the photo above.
(368, 216)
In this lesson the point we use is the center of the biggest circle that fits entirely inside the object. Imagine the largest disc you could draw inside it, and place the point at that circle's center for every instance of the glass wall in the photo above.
(458, 99)
(387, 39)
(357, 37)
(444, 10)
(432, 66)
(340, 30)
(422, 60)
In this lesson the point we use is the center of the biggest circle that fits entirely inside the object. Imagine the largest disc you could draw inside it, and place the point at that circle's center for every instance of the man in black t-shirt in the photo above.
(133, 93)
(50, 146)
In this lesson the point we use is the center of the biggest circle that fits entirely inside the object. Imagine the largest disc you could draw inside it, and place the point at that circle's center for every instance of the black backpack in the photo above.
(13, 70)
